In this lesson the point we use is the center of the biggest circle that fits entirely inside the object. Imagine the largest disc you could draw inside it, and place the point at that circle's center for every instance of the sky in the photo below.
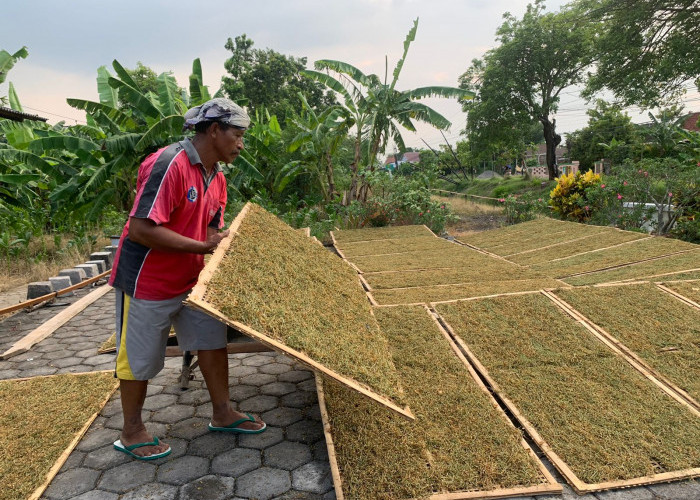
(69, 39)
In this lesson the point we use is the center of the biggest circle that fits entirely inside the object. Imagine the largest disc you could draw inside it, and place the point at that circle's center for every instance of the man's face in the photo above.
(229, 143)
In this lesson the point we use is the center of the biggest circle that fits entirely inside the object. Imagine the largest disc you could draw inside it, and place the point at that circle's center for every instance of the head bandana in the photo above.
(217, 110)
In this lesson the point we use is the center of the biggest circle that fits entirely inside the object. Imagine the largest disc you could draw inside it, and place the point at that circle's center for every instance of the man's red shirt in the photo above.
(173, 191)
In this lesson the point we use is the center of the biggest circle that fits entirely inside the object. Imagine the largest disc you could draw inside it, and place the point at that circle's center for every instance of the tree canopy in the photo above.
(647, 50)
(539, 56)
(265, 78)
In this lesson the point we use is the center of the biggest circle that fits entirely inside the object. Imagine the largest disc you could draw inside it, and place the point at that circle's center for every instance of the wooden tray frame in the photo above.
(196, 299)
(579, 486)
(550, 487)
(53, 471)
(628, 355)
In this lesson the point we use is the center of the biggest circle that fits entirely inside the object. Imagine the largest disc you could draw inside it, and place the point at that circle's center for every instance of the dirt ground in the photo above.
(473, 217)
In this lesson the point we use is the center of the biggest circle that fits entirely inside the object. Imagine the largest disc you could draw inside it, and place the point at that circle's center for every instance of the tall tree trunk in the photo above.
(329, 175)
(354, 177)
(552, 140)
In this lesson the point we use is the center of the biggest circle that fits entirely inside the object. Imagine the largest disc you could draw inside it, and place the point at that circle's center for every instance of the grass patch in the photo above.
(380, 247)
(659, 328)
(600, 415)
(380, 233)
(508, 234)
(284, 285)
(495, 269)
(463, 291)
(629, 253)
(459, 441)
(603, 239)
(671, 264)
(39, 418)
(691, 289)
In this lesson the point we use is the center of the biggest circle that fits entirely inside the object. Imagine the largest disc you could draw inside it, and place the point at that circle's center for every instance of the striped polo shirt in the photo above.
(173, 191)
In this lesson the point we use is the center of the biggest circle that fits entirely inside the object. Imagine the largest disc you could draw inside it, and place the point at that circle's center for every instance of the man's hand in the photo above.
(147, 233)
(214, 237)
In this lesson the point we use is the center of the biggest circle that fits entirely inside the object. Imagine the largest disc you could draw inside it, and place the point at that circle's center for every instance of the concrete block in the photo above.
(39, 289)
(75, 275)
(111, 249)
(106, 256)
(90, 269)
(61, 282)
(101, 265)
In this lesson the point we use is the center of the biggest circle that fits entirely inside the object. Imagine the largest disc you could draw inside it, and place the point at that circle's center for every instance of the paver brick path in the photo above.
(287, 461)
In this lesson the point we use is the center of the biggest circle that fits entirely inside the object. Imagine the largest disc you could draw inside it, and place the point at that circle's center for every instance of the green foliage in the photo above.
(524, 208)
(266, 79)
(572, 196)
(646, 50)
(609, 134)
(377, 111)
(520, 80)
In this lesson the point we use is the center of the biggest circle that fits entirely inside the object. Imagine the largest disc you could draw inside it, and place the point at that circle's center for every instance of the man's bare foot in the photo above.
(143, 437)
(254, 425)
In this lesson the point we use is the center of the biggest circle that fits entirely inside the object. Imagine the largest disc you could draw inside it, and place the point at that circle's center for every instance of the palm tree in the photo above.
(378, 110)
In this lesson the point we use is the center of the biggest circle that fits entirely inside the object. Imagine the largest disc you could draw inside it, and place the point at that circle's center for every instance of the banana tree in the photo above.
(378, 111)
(320, 135)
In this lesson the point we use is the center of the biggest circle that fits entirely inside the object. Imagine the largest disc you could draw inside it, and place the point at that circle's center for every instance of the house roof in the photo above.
(18, 116)
(691, 122)
(410, 157)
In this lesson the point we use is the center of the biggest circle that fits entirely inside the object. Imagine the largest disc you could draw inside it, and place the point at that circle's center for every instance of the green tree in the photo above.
(647, 50)
(538, 56)
(606, 123)
(267, 79)
(377, 111)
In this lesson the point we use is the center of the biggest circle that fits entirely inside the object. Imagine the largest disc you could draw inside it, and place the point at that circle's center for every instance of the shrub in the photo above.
(523, 208)
(572, 197)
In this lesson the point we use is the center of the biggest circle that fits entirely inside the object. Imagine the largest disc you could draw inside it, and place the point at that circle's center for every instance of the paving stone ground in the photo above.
(288, 461)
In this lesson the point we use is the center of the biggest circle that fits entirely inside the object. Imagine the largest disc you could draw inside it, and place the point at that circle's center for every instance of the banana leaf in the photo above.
(69, 143)
(14, 100)
(164, 130)
(115, 115)
(135, 98)
(124, 75)
(168, 94)
(7, 61)
(108, 95)
(18, 179)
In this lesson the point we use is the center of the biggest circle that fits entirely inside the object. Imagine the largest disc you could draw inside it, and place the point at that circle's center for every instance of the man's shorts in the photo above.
(143, 327)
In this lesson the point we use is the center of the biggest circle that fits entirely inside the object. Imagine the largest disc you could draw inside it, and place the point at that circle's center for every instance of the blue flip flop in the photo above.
(234, 426)
(128, 449)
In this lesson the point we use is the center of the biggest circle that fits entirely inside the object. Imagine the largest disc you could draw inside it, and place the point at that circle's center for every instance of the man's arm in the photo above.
(148, 233)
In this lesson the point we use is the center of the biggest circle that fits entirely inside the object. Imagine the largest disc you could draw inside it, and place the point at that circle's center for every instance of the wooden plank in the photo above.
(199, 289)
(628, 355)
(50, 296)
(172, 351)
(66, 453)
(677, 295)
(579, 486)
(278, 346)
(332, 458)
(43, 331)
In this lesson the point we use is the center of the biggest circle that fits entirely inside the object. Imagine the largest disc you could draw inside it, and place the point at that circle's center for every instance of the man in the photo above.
(176, 219)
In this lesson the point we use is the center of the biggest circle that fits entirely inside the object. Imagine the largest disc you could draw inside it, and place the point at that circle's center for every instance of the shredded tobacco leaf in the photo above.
(283, 285)
(458, 442)
(601, 416)
(39, 418)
